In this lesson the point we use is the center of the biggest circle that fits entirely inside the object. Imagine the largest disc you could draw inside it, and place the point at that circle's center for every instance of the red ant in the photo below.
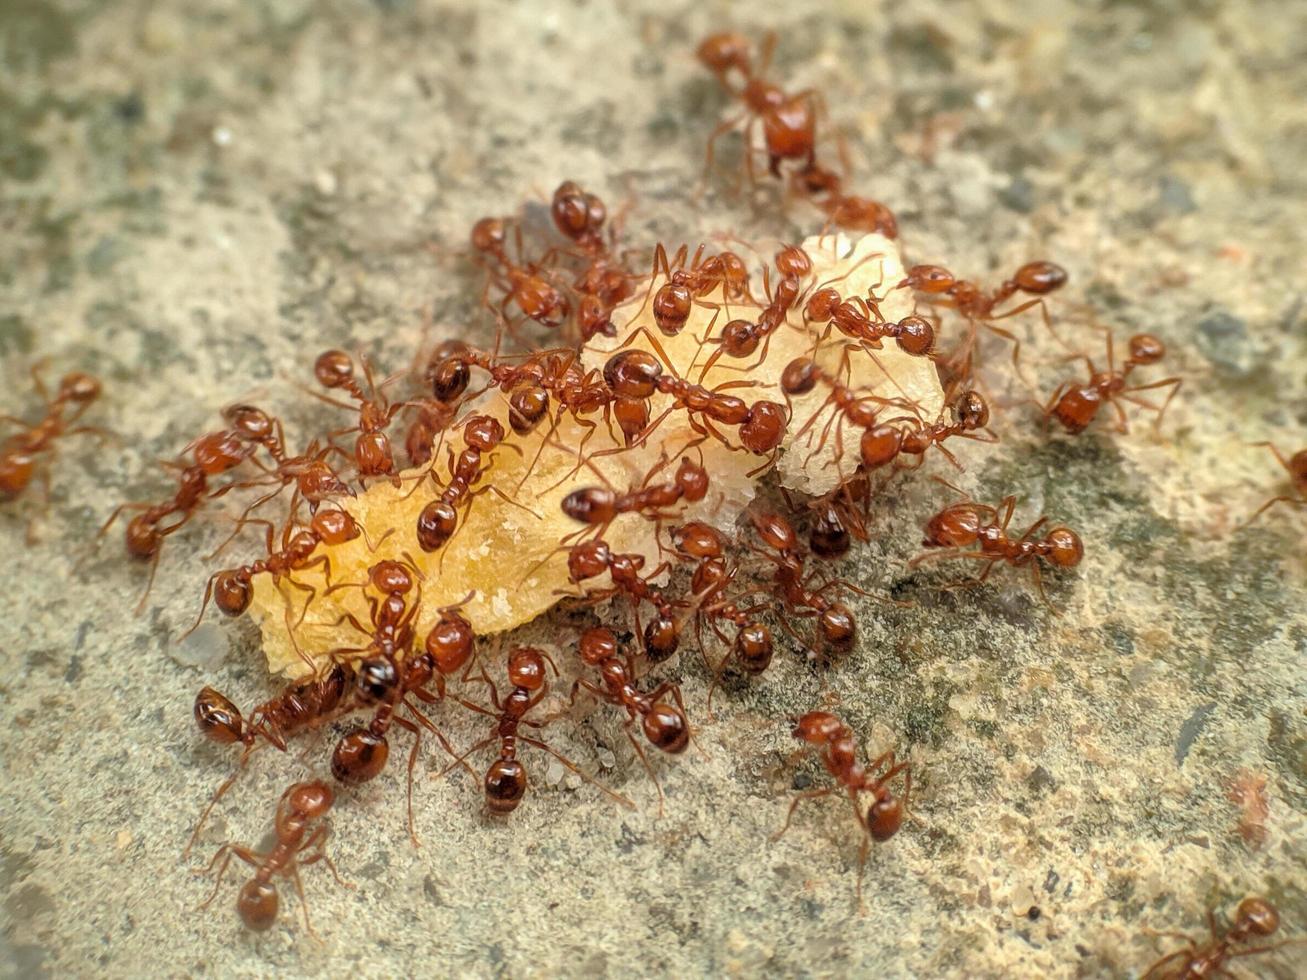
(523, 285)
(438, 520)
(19, 452)
(881, 820)
(835, 621)
(1037, 279)
(602, 285)
(883, 444)
(1255, 918)
(1077, 405)
(789, 122)
(914, 334)
(334, 369)
(506, 779)
(385, 678)
(1296, 467)
(824, 188)
(302, 706)
(959, 526)
(451, 645)
(299, 830)
(636, 374)
(598, 507)
(589, 559)
(674, 299)
(740, 338)
(213, 454)
(663, 724)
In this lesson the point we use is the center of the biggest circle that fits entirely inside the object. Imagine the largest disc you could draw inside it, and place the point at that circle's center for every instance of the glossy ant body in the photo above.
(959, 526)
(300, 830)
(835, 621)
(835, 741)
(663, 724)
(1075, 406)
(373, 455)
(438, 520)
(603, 283)
(674, 299)
(506, 779)
(590, 559)
(597, 507)
(523, 285)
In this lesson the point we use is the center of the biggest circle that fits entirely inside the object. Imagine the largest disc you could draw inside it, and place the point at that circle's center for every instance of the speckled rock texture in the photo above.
(197, 197)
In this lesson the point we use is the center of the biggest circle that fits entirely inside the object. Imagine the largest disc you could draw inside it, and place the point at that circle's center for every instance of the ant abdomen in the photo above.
(359, 756)
(218, 718)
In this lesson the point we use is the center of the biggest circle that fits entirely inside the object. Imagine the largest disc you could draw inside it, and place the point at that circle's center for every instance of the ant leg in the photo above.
(225, 852)
(408, 726)
(1170, 957)
(573, 767)
(811, 794)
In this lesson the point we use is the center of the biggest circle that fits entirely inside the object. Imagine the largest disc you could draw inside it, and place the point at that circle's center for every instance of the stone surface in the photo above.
(198, 197)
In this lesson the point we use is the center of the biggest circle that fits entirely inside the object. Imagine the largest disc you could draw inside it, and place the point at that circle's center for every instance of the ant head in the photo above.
(391, 577)
(765, 427)
(450, 642)
(930, 278)
(793, 261)
(739, 338)
(252, 422)
(753, 647)
(957, 526)
(699, 540)
(884, 816)
(822, 304)
(318, 481)
(916, 336)
(489, 235)
(972, 411)
(721, 52)
(79, 388)
(333, 369)
(1146, 349)
(483, 432)
(817, 727)
(526, 668)
(257, 905)
(1258, 916)
(309, 800)
(143, 537)
(838, 627)
(761, 95)
(505, 785)
(1065, 547)
(597, 644)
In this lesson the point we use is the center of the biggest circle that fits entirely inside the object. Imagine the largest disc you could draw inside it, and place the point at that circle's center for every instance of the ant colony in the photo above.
(625, 438)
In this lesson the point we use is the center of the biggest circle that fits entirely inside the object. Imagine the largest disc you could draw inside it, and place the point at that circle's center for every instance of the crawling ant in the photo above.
(959, 526)
(1296, 467)
(789, 122)
(839, 751)
(663, 724)
(20, 453)
(590, 559)
(636, 374)
(603, 284)
(835, 621)
(506, 779)
(1255, 918)
(438, 520)
(674, 299)
(598, 507)
(1075, 406)
(884, 444)
(523, 285)
(856, 319)
(373, 456)
(1036, 279)
(300, 830)
(740, 337)
(825, 189)
(213, 454)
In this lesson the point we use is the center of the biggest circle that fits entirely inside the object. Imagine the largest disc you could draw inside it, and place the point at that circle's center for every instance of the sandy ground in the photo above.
(197, 197)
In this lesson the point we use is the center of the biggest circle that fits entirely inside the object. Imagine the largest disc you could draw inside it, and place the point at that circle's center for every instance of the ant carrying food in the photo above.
(301, 837)
(883, 817)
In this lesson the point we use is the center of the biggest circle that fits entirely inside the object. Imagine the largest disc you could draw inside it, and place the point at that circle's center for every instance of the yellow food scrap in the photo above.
(506, 553)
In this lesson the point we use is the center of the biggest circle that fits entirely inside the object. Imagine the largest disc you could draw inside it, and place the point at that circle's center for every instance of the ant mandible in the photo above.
(300, 828)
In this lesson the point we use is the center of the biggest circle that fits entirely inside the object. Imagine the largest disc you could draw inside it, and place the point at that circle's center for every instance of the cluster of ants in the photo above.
(574, 292)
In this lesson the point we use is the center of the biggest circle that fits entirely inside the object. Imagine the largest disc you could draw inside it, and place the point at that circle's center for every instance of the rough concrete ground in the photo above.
(196, 198)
